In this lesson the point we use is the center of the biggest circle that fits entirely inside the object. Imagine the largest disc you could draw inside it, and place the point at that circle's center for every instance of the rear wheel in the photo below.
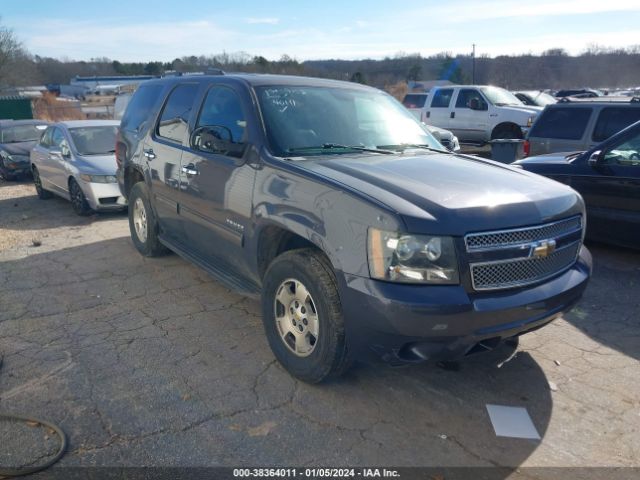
(78, 199)
(506, 131)
(37, 181)
(302, 316)
(143, 224)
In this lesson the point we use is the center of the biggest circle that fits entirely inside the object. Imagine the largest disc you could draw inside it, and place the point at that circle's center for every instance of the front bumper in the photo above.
(410, 323)
(103, 196)
(14, 167)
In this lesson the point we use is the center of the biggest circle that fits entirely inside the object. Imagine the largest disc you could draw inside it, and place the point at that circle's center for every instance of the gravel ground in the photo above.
(151, 362)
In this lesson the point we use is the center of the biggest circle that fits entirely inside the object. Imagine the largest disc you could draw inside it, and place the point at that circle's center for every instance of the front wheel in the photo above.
(143, 224)
(78, 199)
(302, 316)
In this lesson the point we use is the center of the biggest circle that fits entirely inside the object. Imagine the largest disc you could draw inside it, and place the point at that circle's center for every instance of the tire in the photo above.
(507, 132)
(143, 224)
(42, 193)
(311, 325)
(78, 199)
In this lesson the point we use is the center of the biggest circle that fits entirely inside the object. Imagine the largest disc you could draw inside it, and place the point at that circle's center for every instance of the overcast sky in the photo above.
(142, 30)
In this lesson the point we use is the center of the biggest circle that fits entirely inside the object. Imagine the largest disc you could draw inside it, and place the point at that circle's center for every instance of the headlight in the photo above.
(396, 257)
(6, 156)
(99, 178)
(530, 121)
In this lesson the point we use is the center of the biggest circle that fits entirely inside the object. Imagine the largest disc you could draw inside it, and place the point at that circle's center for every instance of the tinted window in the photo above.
(612, 120)
(414, 100)
(466, 96)
(140, 106)
(442, 98)
(174, 118)
(222, 107)
(562, 123)
(94, 140)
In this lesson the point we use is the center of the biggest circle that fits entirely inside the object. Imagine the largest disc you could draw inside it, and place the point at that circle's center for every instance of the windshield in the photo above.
(307, 119)
(541, 98)
(21, 133)
(94, 140)
(499, 96)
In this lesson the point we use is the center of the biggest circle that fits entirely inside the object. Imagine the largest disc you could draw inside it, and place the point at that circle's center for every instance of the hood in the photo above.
(451, 194)
(19, 148)
(525, 109)
(550, 158)
(96, 164)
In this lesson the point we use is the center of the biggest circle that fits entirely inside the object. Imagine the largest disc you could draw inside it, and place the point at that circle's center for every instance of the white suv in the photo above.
(477, 114)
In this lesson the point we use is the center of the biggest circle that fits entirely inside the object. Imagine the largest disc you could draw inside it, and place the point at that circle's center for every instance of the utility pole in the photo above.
(473, 65)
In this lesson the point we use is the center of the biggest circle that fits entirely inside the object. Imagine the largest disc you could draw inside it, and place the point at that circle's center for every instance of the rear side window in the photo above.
(612, 120)
(140, 106)
(442, 98)
(414, 101)
(562, 123)
(174, 119)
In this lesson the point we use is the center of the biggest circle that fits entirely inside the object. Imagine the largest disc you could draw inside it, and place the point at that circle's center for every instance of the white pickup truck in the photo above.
(477, 114)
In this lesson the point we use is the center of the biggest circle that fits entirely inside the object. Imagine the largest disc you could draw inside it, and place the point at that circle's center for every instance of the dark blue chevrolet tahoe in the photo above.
(358, 229)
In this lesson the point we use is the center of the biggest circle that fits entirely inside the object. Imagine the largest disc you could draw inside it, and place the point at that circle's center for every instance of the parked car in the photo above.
(535, 98)
(445, 137)
(75, 160)
(17, 138)
(580, 124)
(414, 102)
(608, 178)
(478, 114)
(360, 233)
(579, 93)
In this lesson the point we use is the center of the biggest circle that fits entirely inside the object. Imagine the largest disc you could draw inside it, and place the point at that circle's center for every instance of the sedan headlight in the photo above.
(99, 178)
(6, 156)
(397, 257)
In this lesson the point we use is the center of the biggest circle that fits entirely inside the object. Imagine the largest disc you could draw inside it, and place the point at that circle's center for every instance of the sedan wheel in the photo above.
(78, 200)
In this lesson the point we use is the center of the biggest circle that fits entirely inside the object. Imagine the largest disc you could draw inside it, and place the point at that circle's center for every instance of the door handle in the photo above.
(428, 114)
(453, 115)
(190, 169)
(148, 152)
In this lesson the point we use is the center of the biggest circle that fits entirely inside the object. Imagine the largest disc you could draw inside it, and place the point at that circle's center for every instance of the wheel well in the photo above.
(509, 126)
(274, 241)
(131, 177)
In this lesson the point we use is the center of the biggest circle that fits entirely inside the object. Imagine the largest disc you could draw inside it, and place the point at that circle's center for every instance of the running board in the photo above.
(221, 272)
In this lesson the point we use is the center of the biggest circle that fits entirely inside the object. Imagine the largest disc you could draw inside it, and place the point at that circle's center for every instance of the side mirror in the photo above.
(595, 158)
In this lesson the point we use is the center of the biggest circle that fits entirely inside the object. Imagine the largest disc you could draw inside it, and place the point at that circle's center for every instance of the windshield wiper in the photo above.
(338, 146)
(403, 146)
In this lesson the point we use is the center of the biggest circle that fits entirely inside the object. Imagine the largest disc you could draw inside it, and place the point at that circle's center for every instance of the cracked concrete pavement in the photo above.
(151, 362)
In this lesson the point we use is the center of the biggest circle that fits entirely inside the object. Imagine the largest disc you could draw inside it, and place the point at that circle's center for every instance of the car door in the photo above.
(610, 186)
(217, 182)
(162, 150)
(55, 171)
(470, 117)
(439, 110)
(40, 157)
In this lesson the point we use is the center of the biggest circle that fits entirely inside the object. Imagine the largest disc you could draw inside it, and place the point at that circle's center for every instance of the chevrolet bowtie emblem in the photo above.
(543, 248)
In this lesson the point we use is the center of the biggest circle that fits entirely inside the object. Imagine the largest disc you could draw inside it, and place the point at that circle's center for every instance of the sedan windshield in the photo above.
(308, 119)
(499, 96)
(21, 133)
(94, 140)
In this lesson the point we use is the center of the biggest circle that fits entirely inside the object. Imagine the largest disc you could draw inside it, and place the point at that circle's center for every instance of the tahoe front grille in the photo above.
(519, 236)
(523, 256)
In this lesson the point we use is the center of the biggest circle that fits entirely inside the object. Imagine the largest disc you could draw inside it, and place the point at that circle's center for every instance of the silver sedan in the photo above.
(76, 160)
